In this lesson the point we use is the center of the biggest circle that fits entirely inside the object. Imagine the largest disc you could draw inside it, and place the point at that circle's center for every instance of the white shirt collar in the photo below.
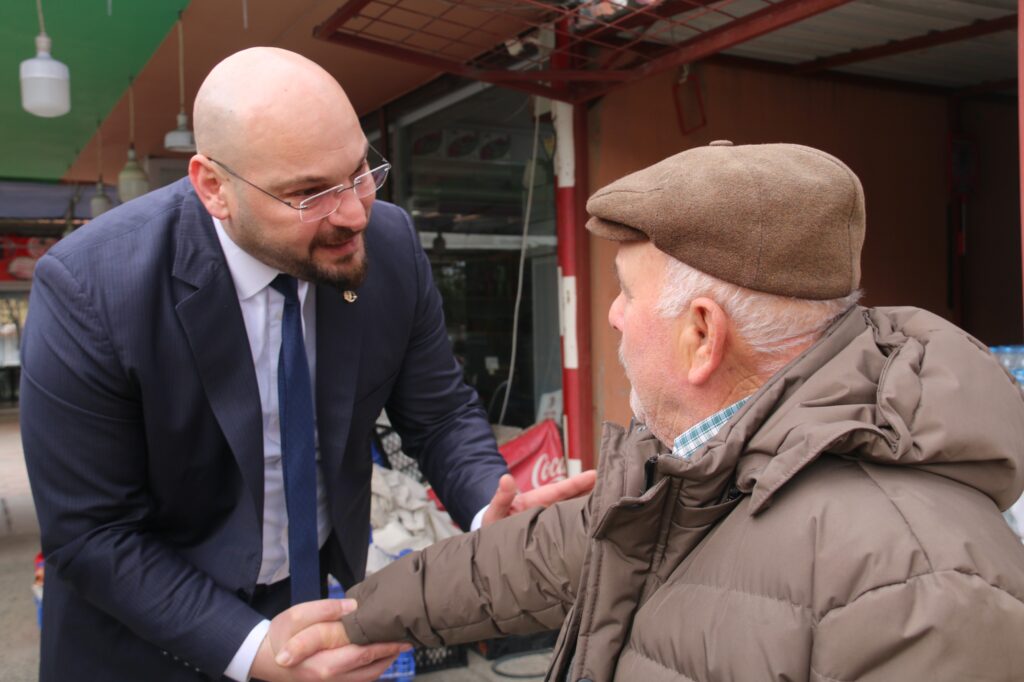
(250, 274)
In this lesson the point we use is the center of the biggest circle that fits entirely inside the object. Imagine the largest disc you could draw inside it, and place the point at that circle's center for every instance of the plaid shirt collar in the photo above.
(694, 437)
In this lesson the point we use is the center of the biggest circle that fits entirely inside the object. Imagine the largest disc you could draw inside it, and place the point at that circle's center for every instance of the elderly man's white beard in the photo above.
(634, 398)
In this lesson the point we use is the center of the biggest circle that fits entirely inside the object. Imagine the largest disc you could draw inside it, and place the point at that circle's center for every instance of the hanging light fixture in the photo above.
(45, 82)
(181, 138)
(132, 180)
(100, 202)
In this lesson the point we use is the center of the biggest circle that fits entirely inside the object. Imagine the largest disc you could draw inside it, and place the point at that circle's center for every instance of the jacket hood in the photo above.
(890, 386)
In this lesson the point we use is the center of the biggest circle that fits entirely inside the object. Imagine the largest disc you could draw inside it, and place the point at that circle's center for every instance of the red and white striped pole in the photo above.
(573, 279)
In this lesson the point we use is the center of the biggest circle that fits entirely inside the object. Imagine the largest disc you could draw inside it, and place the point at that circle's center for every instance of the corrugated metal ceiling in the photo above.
(867, 23)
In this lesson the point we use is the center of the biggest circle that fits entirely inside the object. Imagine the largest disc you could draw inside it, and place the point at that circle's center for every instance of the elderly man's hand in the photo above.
(308, 642)
(508, 500)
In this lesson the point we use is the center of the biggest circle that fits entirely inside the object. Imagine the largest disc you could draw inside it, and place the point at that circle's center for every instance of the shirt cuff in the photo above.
(241, 665)
(478, 519)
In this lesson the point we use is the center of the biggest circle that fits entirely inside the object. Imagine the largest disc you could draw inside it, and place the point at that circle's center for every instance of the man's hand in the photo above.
(308, 642)
(508, 500)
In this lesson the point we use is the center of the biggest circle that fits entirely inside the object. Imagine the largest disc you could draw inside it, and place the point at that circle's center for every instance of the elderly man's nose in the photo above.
(615, 313)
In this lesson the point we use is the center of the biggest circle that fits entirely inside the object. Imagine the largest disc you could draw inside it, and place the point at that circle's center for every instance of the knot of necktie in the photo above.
(287, 286)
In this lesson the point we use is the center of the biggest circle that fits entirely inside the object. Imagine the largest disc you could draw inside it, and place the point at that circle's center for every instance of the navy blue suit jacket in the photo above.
(142, 430)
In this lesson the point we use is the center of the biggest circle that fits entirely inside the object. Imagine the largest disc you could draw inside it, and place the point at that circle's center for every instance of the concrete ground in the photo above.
(19, 543)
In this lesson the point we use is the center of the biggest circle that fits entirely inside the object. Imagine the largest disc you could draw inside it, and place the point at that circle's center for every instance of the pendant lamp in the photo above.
(100, 202)
(181, 138)
(132, 180)
(45, 82)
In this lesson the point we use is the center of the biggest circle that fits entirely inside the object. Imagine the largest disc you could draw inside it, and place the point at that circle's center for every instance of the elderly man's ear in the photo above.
(704, 335)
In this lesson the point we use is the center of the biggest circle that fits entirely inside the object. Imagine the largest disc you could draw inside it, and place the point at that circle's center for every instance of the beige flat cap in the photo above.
(780, 218)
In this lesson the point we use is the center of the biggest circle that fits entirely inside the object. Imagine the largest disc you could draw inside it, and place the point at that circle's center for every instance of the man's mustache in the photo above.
(335, 238)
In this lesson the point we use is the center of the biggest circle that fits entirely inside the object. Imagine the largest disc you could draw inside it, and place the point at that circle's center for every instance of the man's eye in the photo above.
(306, 192)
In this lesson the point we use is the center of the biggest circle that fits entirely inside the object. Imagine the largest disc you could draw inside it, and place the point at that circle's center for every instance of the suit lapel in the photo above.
(339, 340)
(213, 323)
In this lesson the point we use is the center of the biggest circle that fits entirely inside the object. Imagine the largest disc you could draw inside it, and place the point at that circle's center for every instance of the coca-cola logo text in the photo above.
(547, 469)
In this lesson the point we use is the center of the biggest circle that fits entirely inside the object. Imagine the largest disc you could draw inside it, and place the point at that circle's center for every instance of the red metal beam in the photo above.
(571, 75)
(746, 28)
(642, 18)
(778, 15)
(921, 42)
(444, 65)
(341, 15)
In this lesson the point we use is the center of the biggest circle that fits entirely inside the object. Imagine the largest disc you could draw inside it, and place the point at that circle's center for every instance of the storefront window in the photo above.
(463, 172)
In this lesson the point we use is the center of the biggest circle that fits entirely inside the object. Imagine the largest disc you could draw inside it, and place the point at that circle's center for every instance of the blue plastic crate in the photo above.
(404, 668)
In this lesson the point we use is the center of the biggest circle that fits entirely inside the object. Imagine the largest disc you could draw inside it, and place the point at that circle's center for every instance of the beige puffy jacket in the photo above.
(844, 525)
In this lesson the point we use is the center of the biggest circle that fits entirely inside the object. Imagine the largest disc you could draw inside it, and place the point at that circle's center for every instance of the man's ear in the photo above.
(709, 332)
(209, 186)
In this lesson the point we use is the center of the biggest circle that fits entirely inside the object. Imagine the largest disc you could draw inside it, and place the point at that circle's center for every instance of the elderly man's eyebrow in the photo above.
(618, 277)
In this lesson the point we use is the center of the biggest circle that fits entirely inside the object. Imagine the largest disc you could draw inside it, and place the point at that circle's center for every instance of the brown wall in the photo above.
(992, 262)
(895, 141)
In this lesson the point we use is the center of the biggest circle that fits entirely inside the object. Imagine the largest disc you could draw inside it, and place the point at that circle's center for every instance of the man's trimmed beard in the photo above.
(351, 278)
(349, 274)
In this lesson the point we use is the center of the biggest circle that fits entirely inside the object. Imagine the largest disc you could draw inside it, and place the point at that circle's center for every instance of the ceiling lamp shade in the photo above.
(100, 202)
(181, 138)
(45, 82)
(132, 180)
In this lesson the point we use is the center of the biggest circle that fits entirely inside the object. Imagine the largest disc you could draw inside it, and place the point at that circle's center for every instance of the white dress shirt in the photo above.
(262, 310)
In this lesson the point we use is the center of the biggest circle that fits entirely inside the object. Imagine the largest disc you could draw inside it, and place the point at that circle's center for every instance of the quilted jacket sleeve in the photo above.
(945, 625)
(517, 576)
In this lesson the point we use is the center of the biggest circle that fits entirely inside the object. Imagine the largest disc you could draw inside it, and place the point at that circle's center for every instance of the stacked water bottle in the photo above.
(1012, 358)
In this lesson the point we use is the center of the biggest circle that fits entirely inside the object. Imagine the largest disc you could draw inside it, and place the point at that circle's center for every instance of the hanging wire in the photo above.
(245, 14)
(99, 148)
(131, 113)
(181, 62)
(39, 9)
(522, 263)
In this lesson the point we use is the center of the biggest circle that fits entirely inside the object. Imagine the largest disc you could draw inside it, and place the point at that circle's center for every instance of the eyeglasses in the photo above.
(323, 204)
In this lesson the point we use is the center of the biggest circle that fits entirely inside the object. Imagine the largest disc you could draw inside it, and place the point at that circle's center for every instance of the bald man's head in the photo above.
(263, 102)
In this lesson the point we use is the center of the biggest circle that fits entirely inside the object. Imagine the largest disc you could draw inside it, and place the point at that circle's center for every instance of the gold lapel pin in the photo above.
(350, 296)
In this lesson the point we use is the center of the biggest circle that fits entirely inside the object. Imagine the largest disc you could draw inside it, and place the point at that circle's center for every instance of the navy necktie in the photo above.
(298, 448)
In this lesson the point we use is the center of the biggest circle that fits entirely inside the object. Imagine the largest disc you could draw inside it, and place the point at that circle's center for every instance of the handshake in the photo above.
(308, 642)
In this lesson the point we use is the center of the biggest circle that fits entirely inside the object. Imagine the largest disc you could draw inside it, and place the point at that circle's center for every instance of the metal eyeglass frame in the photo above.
(307, 203)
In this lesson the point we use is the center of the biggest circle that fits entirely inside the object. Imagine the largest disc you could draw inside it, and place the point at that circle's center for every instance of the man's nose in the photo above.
(615, 313)
(351, 213)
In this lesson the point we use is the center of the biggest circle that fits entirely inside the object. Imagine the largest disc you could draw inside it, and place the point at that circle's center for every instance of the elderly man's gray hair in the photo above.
(769, 324)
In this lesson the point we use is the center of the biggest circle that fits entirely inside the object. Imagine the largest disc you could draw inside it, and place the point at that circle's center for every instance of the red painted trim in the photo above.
(921, 42)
